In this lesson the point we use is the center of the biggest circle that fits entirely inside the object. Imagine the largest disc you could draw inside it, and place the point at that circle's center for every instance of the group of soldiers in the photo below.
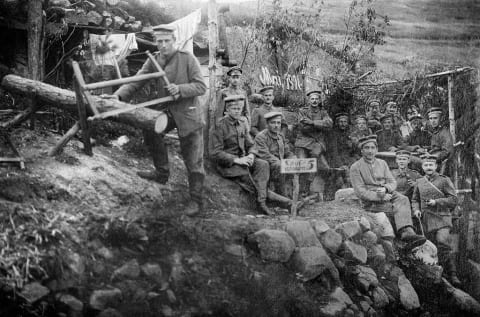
(249, 143)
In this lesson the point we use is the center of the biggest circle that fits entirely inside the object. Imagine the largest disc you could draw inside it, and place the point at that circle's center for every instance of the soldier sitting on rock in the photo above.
(434, 198)
(375, 185)
(404, 176)
(272, 146)
(235, 155)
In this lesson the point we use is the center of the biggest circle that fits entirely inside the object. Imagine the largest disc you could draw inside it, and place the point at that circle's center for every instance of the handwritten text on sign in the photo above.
(294, 166)
(288, 82)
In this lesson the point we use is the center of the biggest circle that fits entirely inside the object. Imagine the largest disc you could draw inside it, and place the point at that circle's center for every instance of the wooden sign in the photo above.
(297, 166)
(287, 81)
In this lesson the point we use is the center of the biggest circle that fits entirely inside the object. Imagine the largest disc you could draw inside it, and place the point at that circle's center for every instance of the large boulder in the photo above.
(408, 295)
(354, 252)
(331, 240)
(302, 233)
(131, 269)
(349, 229)
(338, 302)
(319, 226)
(274, 245)
(311, 262)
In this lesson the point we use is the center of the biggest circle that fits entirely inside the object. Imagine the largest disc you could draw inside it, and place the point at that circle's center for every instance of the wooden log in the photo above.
(64, 140)
(62, 98)
(212, 66)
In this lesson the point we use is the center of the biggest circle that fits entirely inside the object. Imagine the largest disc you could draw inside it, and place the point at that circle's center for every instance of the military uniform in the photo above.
(229, 91)
(402, 177)
(258, 122)
(441, 144)
(356, 134)
(231, 140)
(343, 149)
(182, 69)
(419, 137)
(373, 122)
(389, 138)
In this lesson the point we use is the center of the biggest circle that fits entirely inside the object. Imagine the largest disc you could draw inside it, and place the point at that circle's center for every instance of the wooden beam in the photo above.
(212, 67)
(121, 81)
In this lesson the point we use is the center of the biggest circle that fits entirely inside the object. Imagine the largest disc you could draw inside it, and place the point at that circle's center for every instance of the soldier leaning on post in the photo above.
(375, 185)
(186, 84)
(235, 154)
(234, 80)
(271, 146)
(404, 176)
(434, 198)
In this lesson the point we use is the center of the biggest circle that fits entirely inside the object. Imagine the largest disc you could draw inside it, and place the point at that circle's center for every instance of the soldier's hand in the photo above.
(250, 158)
(307, 121)
(431, 202)
(242, 161)
(417, 213)
(411, 182)
(173, 89)
(381, 192)
(387, 197)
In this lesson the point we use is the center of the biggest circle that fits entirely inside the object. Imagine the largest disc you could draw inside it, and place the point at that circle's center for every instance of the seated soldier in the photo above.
(360, 129)
(441, 143)
(389, 138)
(234, 153)
(374, 115)
(434, 198)
(404, 176)
(271, 146)
(375, 186)
(418, 141)
(259, 123)
(391, 108)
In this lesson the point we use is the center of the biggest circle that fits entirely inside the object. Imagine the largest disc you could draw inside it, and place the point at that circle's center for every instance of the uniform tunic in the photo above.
(228, 91)
(342, 148)
(258, 122)
(389, 138)
(441, 143)
(402, 178)
(419, 137)
(312, 136)
(441, 189)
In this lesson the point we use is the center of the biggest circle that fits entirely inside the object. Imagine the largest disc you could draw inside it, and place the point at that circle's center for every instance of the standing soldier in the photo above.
(441, 144)
(234, 88)
(404, 176)
(186, 84)
(271, 146)
(235, 155)
(312, 124)
(389, 138)
(342, 151)
(433, 199)
(258, 122)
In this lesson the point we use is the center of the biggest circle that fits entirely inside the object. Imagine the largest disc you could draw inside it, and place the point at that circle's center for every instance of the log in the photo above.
(62, 98)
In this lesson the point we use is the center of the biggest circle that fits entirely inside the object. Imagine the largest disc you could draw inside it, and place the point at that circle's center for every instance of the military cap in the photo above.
(272, 114)
(311, 92)
(360, 116)
(402, 153)
(233, 69)
(231, 98)
(373, 101)
(390, 103)
(341, 115)
(256, 99)
(367, 139)
(386, 116)
(265, 88)
(427, 157)
(163, 29)
(417, 116)
(437, 110)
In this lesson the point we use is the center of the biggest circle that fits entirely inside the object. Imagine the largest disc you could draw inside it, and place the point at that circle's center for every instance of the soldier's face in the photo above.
(235, 79)
(412, 111)
(268, 97)
(429, 167)
(392, 108)
(342, 123)
(434, 119)
(369, 150)
(387, 124)
(361, 124)
(402, 161)
(373, 108)
(416, 124)
(274, 124)
(314, 100)
(234, 109)
(165, 43)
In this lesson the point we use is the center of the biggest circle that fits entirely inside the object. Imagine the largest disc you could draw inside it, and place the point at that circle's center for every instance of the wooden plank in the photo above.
(122, 81)
(82, 113)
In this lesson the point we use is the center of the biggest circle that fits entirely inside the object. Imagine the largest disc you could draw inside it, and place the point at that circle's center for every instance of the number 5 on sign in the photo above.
(296, 166)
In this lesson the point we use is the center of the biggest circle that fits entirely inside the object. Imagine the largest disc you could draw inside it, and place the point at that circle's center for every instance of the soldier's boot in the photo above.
(412, 239)
(196, 204)
(153, 175)
(263, 208)
(449, 266)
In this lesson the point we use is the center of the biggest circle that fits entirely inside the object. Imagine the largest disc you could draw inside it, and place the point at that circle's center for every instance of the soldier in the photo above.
(418, 141)
(360, 129)
(256, 101)
(258, 120)
(375, 185)
(234, 88)
(271, 146)
(312, 124)
(342, 150)
(434, 198)
(183, 71)
(389, 138)
(374, 115)
(391, 108)
(235, 155)
(404, 176)
(441, 143)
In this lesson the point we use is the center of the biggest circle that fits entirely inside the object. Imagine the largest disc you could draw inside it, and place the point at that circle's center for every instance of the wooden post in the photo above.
(82, 113)
(451, 120)
(212, 66)
(296, 189)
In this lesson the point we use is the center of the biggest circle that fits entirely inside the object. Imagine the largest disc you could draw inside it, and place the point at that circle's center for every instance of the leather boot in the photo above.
(451, 270)
(263, 208)
(153, 176)
(412, 239)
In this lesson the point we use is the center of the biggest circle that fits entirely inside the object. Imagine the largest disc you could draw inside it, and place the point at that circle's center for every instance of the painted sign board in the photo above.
(298, 166)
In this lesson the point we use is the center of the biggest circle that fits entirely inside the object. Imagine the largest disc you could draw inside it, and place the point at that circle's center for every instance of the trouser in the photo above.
(398, 210)
(191, 148)
(259, 174)
(278, 179)
(446, 257)
(313, 182)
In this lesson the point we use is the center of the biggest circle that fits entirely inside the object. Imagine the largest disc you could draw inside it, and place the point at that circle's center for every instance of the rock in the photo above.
(364, 224)
(473, 284)
(101, 299)
(339, 264)
(369, 238)
(346, 194)
(337, 303)
(98, 267)
(302, 233)
(70, 301)
(348, 313)
(131, 269)
(274, 245)
(408, 296)
(167, 311)
(364, 306)
(76, 263)
(110, 312)
(171, 296)
(366, 278)
(153, 271)
(236, 249)
(320, 227)
(349, 229)
(379, 298)
(105, 253)
(311, 262)
(461, 301)
(354, 252)
(376, 256)
(33, 292)
(331, 240)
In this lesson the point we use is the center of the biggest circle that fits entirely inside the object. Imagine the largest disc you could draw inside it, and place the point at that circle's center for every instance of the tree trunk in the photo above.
(65, 99)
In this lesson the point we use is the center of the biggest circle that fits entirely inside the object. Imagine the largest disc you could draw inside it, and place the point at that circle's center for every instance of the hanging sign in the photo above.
(287, 81)
(298, 165)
